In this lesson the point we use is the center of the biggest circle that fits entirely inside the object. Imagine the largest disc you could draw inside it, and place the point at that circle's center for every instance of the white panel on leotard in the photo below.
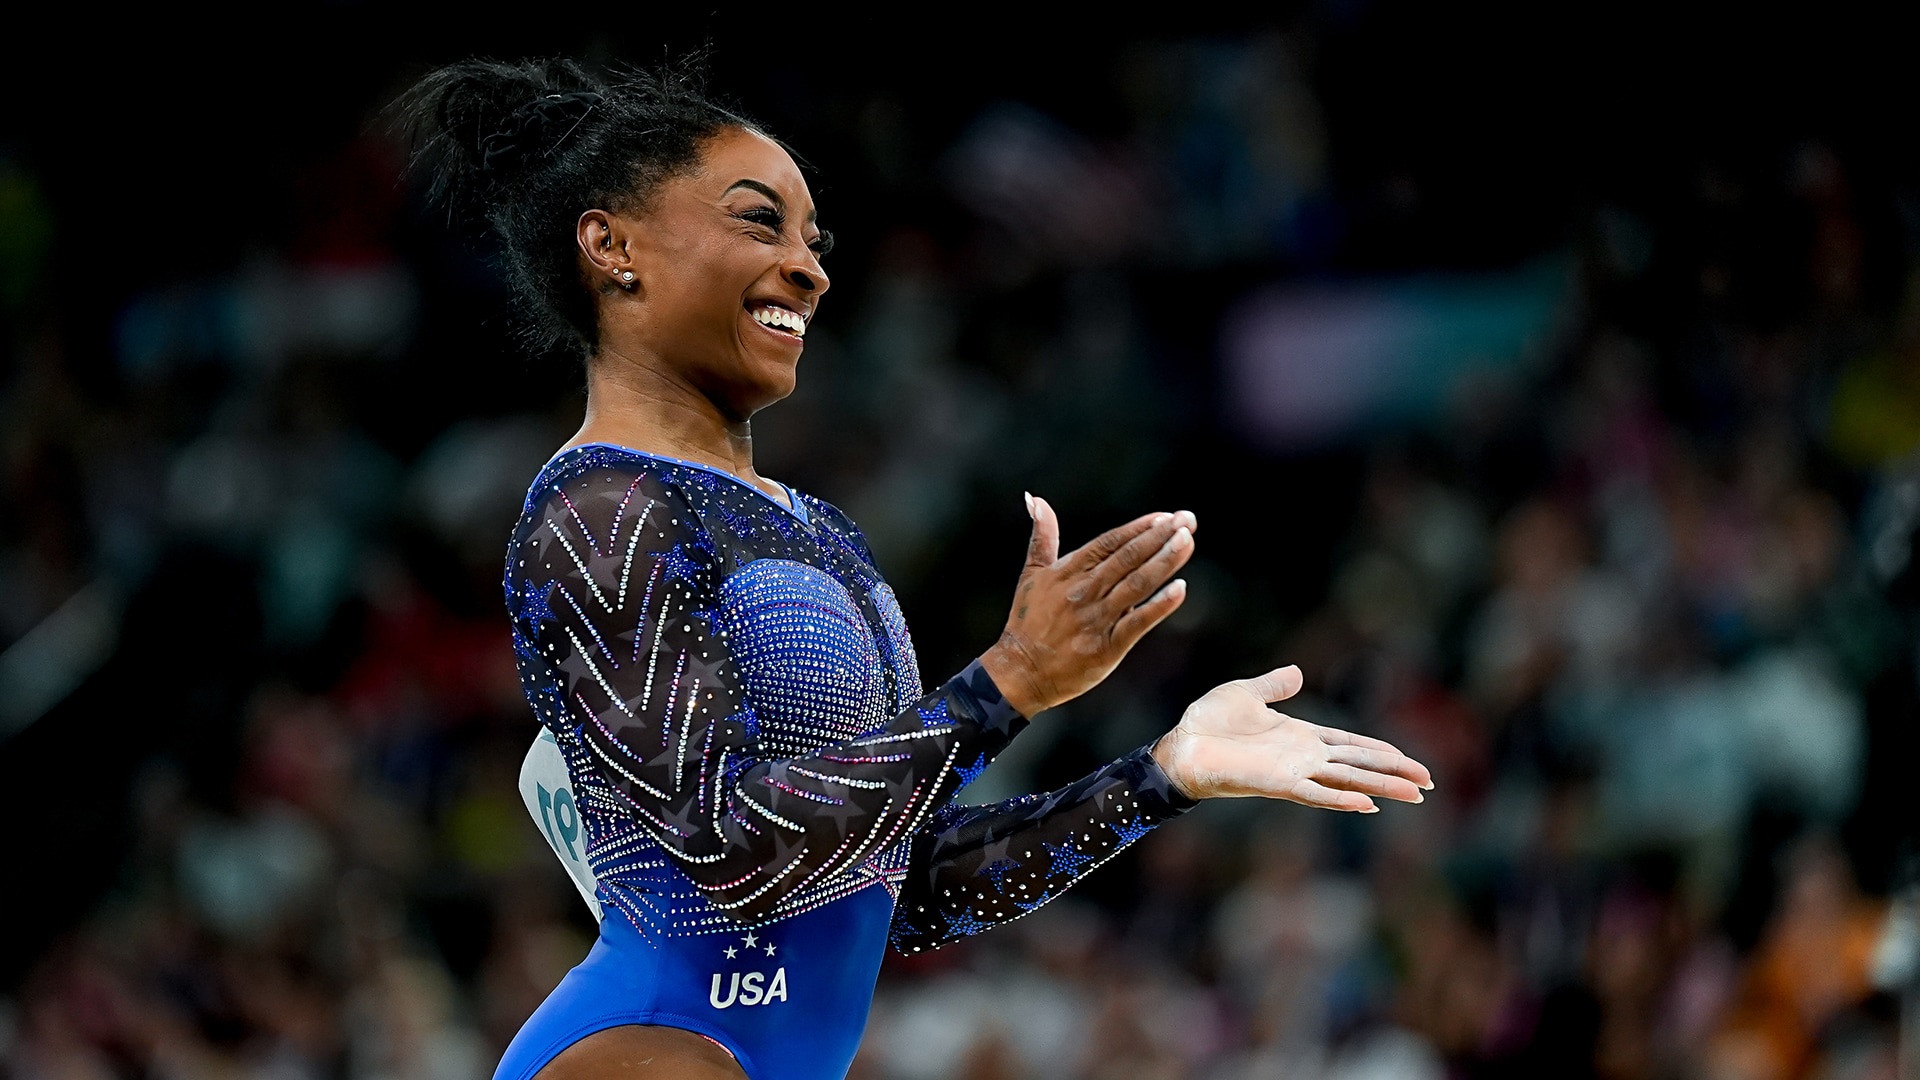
(548, 792)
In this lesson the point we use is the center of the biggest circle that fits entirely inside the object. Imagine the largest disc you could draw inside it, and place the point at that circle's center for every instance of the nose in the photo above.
(807, 275)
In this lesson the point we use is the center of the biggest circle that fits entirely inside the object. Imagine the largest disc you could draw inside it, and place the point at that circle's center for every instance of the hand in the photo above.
(1229, 744)
(1074, 618)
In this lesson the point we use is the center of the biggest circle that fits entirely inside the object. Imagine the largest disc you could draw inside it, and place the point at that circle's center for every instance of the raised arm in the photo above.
(617, 588)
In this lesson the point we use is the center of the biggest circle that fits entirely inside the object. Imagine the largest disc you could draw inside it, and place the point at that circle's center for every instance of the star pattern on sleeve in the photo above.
(969, 773)
(1129, 831)
(1068, 860)
(533, 608)
(980, 866)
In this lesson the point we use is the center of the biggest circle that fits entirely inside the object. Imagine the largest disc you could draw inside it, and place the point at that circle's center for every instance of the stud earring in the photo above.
(626, 277)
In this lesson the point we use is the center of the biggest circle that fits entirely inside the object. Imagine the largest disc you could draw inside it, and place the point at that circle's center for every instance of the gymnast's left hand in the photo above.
(1229, 744)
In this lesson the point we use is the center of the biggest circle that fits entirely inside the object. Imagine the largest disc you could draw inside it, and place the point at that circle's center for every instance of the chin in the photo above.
(762, 387)
(778, 390)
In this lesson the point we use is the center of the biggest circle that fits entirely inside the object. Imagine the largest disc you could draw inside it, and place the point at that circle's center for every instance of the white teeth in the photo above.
(782, 319)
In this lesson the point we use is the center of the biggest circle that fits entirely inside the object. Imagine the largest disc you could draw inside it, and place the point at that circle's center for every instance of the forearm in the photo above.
(978, 866)
(751, 830)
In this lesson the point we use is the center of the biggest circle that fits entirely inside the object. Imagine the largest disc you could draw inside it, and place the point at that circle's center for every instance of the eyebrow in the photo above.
(755, 185)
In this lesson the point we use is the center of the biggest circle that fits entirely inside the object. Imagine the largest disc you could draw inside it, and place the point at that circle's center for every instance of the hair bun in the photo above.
(475, 126)
(521, 149)
(541, 126)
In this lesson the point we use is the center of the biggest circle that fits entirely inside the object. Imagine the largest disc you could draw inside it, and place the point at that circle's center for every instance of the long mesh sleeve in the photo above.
(616, 588)
(975, 867)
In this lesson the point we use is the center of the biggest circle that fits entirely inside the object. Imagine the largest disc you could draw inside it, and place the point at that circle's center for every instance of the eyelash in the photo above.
(770, 218)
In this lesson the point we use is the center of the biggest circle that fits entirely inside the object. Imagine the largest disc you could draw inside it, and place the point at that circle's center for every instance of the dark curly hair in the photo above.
(523, 149)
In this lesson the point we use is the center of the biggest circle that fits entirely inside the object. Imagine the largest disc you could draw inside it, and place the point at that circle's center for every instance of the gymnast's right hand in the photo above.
(1075, 617)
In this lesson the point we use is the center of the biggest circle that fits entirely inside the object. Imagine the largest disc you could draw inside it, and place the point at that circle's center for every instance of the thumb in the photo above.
(1044, 548)
(1276, 685)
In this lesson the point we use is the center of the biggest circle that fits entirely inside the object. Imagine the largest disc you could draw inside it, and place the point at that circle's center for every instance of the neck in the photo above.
(651, 407)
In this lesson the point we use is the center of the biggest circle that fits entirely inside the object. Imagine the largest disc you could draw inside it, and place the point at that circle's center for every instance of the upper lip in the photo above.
(802, 310)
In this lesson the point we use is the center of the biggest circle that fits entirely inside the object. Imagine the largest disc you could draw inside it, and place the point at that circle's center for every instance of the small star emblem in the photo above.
(732, 952)
(750, 941)
(769, 948)
(971, 773)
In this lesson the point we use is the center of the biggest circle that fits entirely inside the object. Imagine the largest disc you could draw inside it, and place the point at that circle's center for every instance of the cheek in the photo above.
(693, 296)
(715, 278)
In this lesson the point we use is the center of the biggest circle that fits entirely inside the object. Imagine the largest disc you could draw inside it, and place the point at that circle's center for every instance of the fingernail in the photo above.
(1031, 512)
(1178, 587)
(1419, 798)
(1161, 519)
(1428, 786)
(1180, 538)
(1371, 809)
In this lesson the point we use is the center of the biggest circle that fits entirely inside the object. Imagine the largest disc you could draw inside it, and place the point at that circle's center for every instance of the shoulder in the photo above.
(830, 518)
(821, 511)
(591, 511)
(598, 497)
(608, 476)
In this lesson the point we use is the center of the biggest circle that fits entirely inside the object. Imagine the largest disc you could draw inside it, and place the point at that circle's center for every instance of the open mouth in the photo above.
(780, 320)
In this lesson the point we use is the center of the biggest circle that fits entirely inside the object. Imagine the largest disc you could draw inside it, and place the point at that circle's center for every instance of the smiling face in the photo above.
(727, 276)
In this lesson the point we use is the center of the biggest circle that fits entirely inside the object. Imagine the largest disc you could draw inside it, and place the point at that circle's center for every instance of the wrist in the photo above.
(1164, 754)
(1011, 668)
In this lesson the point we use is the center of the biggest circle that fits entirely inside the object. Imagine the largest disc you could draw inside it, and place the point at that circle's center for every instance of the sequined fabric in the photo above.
(737, 699)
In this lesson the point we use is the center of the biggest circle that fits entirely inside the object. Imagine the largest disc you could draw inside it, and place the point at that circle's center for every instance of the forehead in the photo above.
(736, 154)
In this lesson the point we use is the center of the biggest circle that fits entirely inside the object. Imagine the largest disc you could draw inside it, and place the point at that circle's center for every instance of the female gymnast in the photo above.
(761, 786)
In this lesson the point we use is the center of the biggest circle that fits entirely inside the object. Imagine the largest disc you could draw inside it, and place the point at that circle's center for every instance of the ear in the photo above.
(606, 241)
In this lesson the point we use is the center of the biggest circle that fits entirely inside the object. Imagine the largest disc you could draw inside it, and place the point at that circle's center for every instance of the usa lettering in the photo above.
(750, 989)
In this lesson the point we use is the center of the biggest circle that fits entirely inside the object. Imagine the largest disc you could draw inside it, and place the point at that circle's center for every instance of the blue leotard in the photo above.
(764, 792)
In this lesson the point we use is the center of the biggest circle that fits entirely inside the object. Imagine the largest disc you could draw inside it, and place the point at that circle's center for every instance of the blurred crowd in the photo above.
(1634, 578)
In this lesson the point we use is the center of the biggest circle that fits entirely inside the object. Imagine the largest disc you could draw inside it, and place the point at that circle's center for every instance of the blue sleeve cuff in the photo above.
(977, 690)
(1159, 798)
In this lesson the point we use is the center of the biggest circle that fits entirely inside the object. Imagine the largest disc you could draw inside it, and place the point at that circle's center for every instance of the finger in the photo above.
(1334, 736)
(1150, 575)
(1187, 518)
(1134, 554)
(1043, 548)
(1308, 793)
(1388, 762)
(1150, 613)
(1101, 548)
(1276, 685)
(1381, 785)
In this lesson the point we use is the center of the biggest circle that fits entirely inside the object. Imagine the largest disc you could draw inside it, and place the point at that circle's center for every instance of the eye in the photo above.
(822, 244)
(764, 216)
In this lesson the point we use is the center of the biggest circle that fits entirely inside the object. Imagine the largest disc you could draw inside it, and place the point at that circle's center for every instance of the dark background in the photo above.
(1548, 386)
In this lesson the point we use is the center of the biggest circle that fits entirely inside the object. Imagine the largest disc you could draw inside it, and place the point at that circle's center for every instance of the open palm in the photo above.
(1229, 744)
